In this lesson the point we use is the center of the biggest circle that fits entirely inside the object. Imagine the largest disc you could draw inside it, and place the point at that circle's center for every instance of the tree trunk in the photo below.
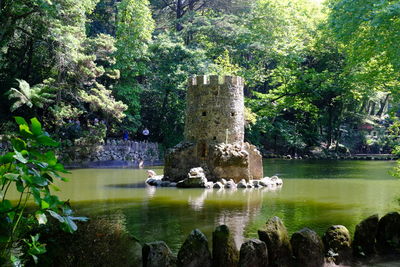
(373, 109)
(28, 67)
(330, 129)
(383, 105)
(179, 14)
(363, 105)
(163, 118)
(191, 6)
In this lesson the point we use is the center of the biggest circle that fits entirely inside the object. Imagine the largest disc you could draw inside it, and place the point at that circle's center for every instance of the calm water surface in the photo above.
(315, 194)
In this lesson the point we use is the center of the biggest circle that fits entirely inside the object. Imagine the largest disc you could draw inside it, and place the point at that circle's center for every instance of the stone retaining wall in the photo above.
(123, 152)
(113, 150)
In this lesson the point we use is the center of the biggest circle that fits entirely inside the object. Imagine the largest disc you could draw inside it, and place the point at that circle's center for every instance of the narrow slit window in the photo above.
(204, 113)
(233, 114)
(202, 150)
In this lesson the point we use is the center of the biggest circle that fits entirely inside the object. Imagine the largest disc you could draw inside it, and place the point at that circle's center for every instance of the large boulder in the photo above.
(337, 243)
(157, 254)
(236, 161)
(196, 178)
(308, 249)
(194, 251)
(218, 185)
(276, 237)
(364, 237)
(242, 184)
(224, 251)
(230, 184)
(388, 233)
(253, 253)
(178, 161)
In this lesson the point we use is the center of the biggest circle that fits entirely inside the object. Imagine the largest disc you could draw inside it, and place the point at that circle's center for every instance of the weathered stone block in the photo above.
(194, 251)
(276, 237)
(230, 161)
(365, 237)
(337, 242)
(308, 249)
(253, 253)
(157, 254)
(388, 234)
(224, 251)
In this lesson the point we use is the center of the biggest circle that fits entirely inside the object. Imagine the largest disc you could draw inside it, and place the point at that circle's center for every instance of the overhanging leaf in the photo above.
(36, 127)
(20, 120)
(44, 204)
(18, 156)
(46, 140)
(18, 144)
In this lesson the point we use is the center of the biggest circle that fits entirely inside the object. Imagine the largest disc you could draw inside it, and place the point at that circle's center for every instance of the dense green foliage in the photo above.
(317, 76)
(30, 168)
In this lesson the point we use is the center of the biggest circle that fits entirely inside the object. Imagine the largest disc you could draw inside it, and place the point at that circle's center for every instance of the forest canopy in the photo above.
(318, 73)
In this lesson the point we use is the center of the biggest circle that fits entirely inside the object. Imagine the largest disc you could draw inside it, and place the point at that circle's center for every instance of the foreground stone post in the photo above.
(276, 237)
(157, 254)
(364, 237)
(388, 233)
(308, 249)
(337, 243)
(253, 253)
(225, 253)
(194, 252)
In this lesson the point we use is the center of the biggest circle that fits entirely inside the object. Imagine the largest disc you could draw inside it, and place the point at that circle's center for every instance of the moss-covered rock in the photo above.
(224, 251)
(337, 243)
(157, 254)
(194, 251)
(276, 237)
(253, 253)
(308, 249)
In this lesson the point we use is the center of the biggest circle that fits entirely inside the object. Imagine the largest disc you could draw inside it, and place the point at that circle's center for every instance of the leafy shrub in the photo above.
(31, 167)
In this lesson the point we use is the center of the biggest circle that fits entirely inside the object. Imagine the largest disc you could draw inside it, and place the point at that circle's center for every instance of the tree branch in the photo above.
(169, 5)
(287, 94)
(24, 15)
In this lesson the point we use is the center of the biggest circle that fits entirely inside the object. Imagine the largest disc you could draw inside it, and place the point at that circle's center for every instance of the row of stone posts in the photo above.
(274, 247)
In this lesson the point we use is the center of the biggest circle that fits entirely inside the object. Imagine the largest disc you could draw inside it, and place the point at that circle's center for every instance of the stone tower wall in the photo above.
(214, 133)
(215, 109)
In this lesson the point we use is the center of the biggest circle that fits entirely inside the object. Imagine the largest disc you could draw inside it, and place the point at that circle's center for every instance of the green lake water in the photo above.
(315, 194)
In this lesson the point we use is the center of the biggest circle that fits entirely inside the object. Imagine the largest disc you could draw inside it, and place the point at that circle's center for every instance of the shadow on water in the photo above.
(133, 185)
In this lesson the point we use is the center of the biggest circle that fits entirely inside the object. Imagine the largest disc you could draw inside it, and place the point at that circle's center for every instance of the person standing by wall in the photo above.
(146, 133)
(125, 135)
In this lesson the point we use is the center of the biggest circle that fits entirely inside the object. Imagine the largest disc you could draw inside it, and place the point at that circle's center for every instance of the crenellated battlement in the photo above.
(214, 80)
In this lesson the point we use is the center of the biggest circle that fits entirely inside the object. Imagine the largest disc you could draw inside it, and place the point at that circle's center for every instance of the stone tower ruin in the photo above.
(214, 133)
(215, 110)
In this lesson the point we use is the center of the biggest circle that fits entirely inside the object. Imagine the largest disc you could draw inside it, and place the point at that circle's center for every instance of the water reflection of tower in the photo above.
(238, 219)
(239, 207)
